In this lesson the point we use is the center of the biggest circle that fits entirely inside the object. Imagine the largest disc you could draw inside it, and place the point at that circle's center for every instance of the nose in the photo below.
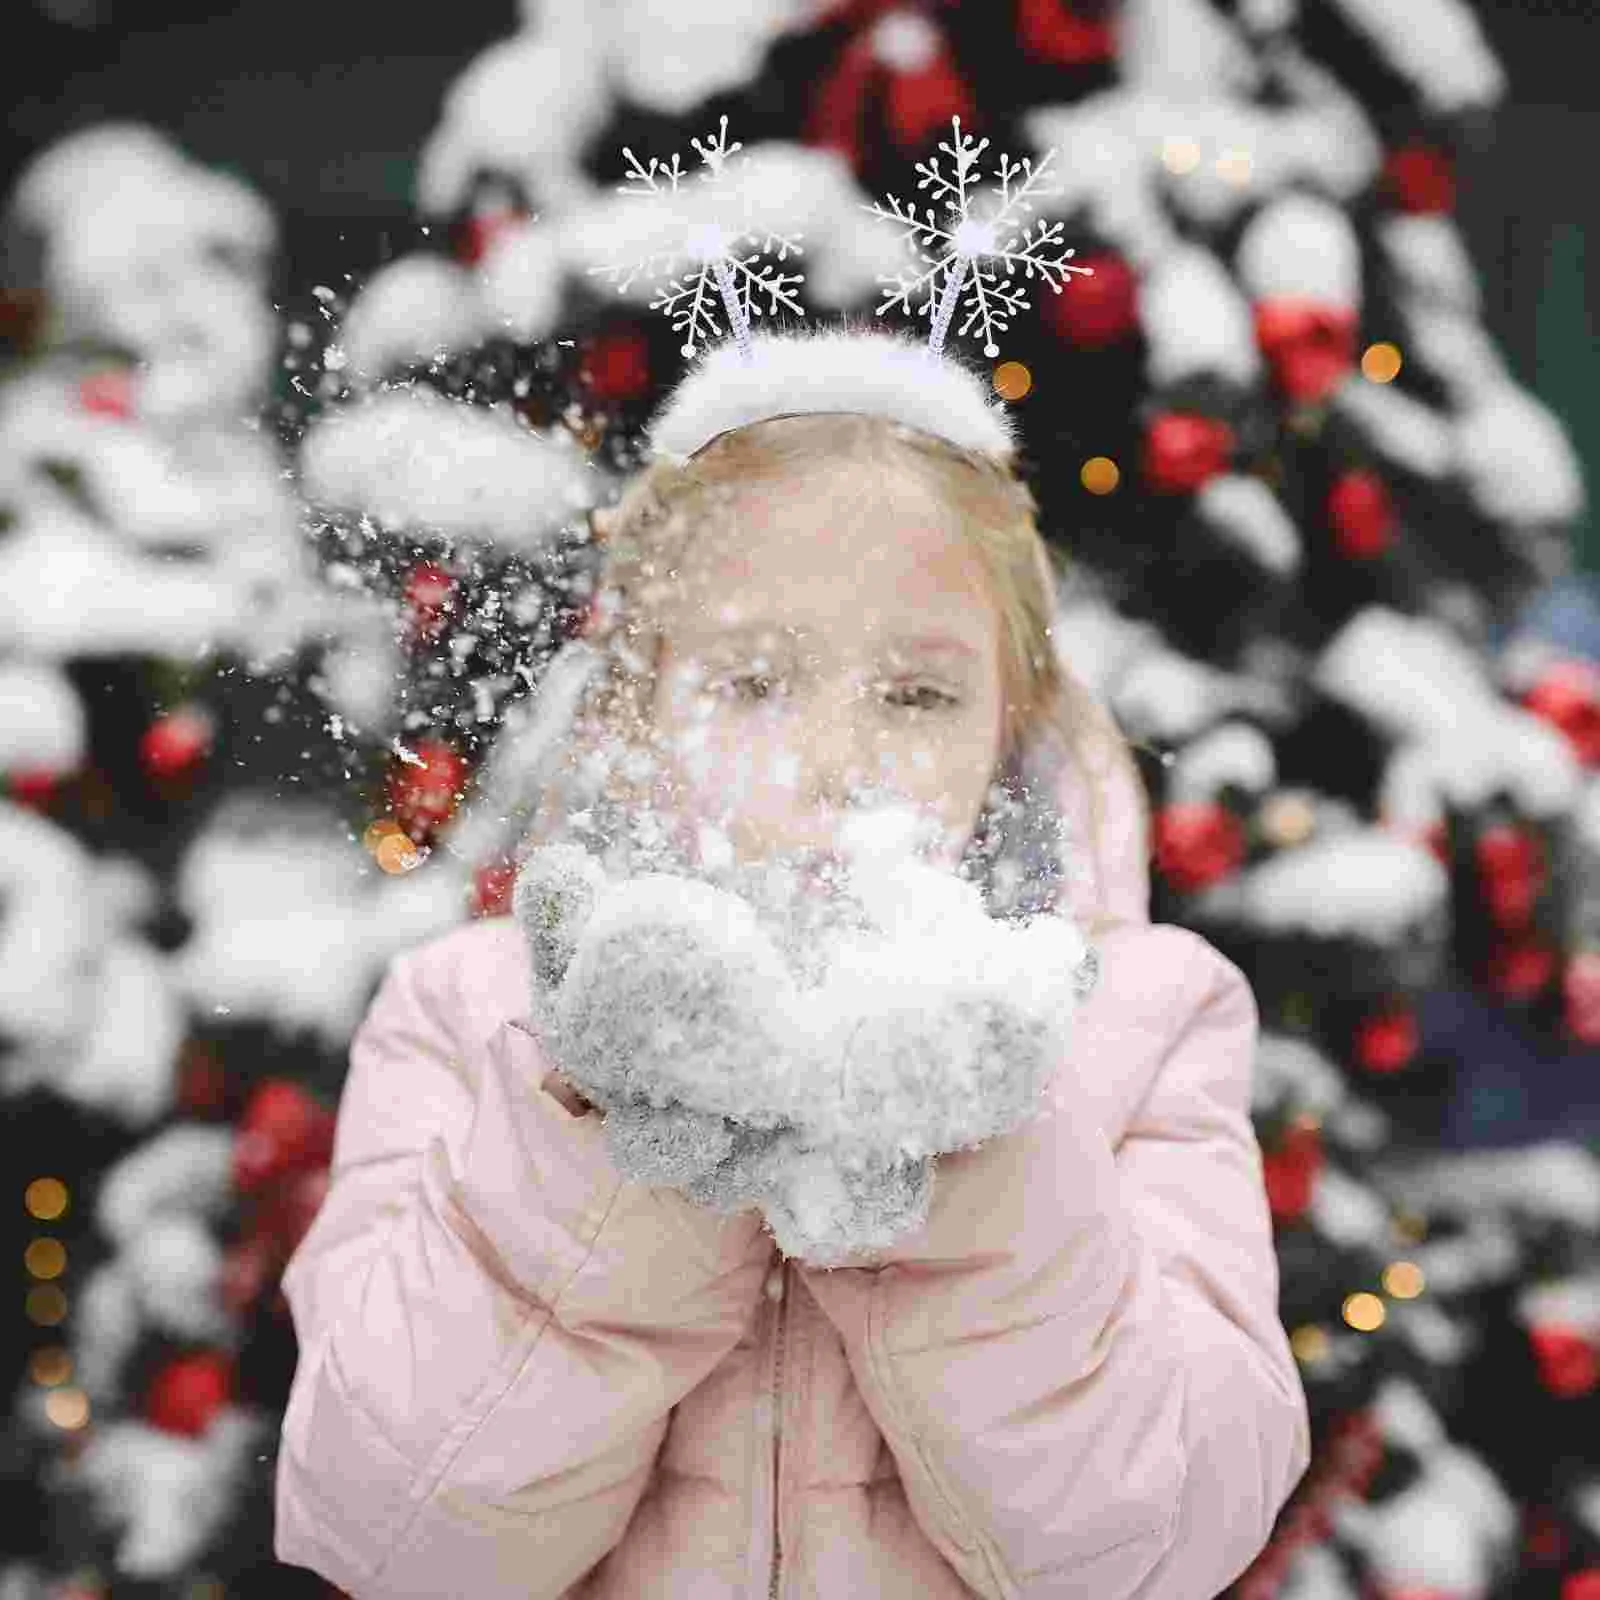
(836, 754)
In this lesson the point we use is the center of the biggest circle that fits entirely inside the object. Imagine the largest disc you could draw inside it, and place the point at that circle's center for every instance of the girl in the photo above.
(523, 1376)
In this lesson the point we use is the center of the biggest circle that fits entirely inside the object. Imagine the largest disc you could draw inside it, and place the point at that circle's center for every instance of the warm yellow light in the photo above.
(1381, 362)
(1403, 1280)
(204, 1589)
(1012, 380)
(1233, 166)
(1309, 1343)
(46, 1305)
(49, 1365)
(45, 1198)
(1179, 155)
(396, 853)
(67, 1408)
(1288, 819)
(1364, 1312)
(1100, 475)
(45, 1258)
(377, 832)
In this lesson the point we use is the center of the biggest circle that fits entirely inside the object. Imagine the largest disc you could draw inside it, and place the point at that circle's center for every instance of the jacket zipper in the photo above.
(777, 1433)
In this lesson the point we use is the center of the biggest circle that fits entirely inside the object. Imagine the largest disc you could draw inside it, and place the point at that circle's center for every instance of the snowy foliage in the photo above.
(293, 922)
(42, 721)
(1368, 885)
(1196, 321)
(1301, 247)
(1246, 512)
(1437, 45)
(1415, 681)
(411, 459)
(167, 1496)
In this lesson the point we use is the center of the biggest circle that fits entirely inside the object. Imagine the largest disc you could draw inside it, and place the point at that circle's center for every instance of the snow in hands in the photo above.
(965, 254)
(724, 260)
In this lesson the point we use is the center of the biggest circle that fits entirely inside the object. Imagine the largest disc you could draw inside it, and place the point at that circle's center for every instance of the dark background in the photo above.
(324, 104)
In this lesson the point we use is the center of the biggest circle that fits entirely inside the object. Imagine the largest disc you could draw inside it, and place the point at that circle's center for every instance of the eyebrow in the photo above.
(923, 643)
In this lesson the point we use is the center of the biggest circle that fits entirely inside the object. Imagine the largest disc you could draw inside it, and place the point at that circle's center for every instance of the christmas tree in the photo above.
(1291, 487)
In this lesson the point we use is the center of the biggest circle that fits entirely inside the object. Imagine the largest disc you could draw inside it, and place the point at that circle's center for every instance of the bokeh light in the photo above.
(1364, 1312)
(50, 1365)
(46, 1305)
(1403, 1280)
(67, 1408)
(1012, 380)
(1381, 362)
(1100, 475)
(45, 1258)
(46, 1198)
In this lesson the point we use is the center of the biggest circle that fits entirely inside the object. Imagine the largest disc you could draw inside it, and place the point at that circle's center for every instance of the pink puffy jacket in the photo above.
(521, 1376)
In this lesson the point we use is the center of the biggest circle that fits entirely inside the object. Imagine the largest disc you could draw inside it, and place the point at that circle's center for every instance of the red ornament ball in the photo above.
(1567, 1361)
(477, 235)
(33, 786)
(1361, 514)
(1310, 345)
(1580, 994)
(107, 394)
(1584, 1585)
(1388, 1040)
(1197, 843)
(1291, 1171)
(1420, 179)
(430, 594)
(282, 1130)
(492, 888)
(248, 1266)
(1511, 873)
(1095, 311)
(188, 1392)
(1053, 32)
(615, 365)
(176, 742)
(1183, 449)
(423, 792)
(1520, 970)
(1567, 696)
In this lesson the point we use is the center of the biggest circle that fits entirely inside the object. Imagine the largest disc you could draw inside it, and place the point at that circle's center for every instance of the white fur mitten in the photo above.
(755, 1052)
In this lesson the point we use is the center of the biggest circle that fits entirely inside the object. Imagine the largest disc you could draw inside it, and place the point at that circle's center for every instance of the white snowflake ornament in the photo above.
(706, 257)
(968, 256)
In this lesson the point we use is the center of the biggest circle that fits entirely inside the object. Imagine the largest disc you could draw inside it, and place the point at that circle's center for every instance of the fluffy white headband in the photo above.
(826, 369)
(968, 262)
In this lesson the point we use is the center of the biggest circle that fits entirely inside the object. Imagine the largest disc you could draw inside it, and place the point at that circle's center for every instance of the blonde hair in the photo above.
(644, 538)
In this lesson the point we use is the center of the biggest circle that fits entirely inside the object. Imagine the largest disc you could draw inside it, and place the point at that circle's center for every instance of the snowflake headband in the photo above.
(965, 262)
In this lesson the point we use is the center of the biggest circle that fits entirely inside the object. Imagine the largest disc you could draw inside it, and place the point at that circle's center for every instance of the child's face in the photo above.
(825, 637)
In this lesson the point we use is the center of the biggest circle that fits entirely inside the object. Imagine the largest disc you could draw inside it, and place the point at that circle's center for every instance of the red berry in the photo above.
(423, 792)
(33, 786)
(1583, 1585)
(1291, 1172)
